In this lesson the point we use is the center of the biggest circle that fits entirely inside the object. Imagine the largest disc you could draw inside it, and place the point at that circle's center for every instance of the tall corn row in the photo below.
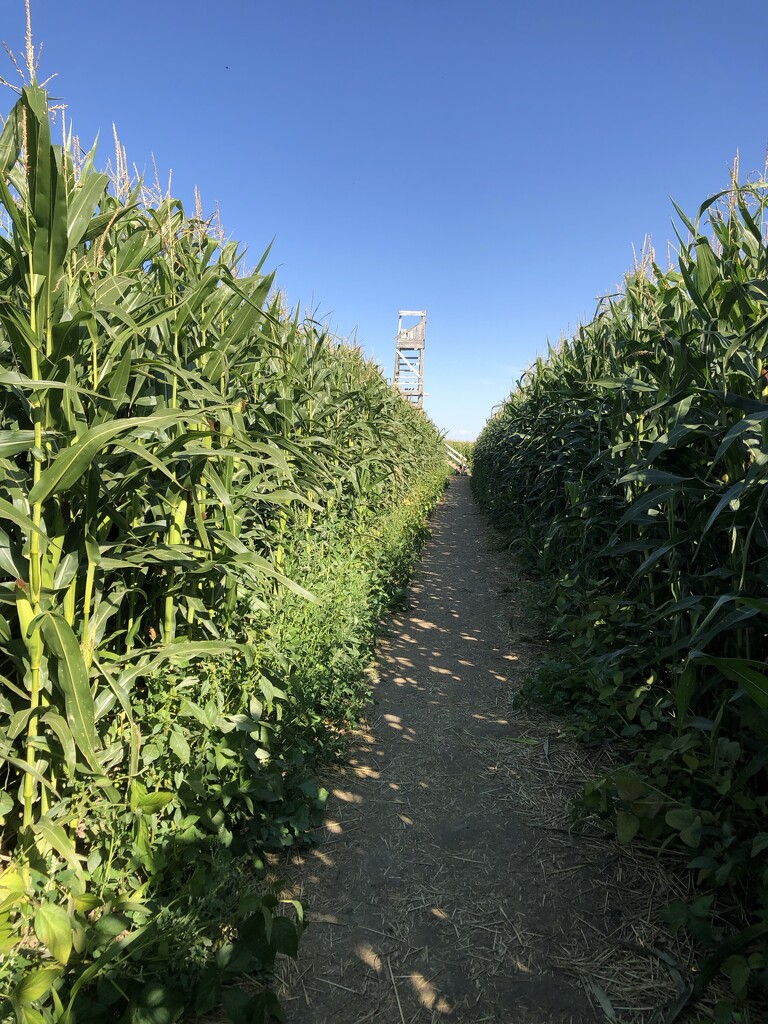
(166, 434)
(636, 456)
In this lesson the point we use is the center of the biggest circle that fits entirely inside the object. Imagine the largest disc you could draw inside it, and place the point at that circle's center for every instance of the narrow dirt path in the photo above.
(447, 885)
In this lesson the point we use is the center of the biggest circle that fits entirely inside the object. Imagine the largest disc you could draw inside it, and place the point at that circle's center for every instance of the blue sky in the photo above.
(492, 162)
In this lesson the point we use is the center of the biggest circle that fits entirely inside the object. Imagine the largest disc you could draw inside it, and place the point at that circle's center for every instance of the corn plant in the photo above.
(171, 443)
(635, 456)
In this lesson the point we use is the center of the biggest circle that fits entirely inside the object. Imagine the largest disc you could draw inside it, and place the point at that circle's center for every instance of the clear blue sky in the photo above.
(492, 162)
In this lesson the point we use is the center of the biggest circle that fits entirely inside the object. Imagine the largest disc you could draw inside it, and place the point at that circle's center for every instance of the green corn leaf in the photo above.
(117, 381)
(61, 729)
(733, 494)
(691, 227)
(681, 434)
(181, 652)
(684, 690)
(97, 225)
(751, 421)
(14, 441)
(638, 511)
(11, 140)
(706, 271)
(653, 477)
(75, 460)
(82, 203)
(46, 192)
(715, 625)
(750, 675)
(14, 379)
(145, 455)
(114, 951)
(55, 836)
(759, 604)
(10, 512)
(73, 680)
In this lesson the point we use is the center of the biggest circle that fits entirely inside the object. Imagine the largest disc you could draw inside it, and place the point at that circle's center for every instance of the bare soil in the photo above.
(449, 883)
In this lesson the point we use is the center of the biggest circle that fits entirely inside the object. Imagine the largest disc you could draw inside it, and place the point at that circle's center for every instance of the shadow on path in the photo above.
(433, 894)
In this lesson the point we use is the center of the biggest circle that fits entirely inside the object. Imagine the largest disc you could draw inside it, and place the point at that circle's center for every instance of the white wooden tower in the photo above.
(409, 356)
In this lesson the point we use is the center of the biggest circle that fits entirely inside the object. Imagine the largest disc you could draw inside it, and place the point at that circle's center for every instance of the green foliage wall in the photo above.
(204, 506)
(635, 457)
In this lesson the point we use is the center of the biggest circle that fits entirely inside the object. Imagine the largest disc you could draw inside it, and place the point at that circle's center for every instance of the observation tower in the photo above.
(409, 356)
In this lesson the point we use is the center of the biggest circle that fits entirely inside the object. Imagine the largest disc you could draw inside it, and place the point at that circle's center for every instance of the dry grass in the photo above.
(404, 896)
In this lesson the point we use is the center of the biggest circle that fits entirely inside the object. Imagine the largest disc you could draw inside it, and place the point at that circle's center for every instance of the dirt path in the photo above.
(447, 885)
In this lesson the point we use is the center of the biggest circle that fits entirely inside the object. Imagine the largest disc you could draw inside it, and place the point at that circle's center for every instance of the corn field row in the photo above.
(205, 502)
(635, 456)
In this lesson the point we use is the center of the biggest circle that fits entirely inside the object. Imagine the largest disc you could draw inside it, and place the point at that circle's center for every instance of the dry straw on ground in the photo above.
(450, 882)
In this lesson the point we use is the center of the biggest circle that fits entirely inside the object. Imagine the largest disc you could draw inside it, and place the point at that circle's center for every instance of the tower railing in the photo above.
(409, 356)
